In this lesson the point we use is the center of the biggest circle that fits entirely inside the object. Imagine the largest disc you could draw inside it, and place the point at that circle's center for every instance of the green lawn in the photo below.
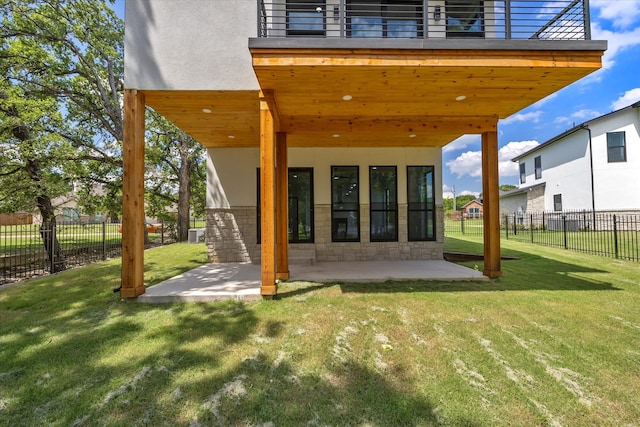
(556, 341)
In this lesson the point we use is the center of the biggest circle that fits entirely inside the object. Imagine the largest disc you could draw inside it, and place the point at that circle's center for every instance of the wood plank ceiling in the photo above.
(396, 97)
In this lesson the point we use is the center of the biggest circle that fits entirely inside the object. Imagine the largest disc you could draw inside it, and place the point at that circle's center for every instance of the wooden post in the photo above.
(282, 207)
(268, 287)
(133, 195)
(491, 204)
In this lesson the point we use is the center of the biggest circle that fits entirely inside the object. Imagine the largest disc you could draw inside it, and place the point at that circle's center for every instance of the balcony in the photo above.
(425, 19)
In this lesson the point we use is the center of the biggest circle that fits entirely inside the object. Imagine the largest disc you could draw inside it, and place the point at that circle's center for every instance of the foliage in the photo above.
(176, 174)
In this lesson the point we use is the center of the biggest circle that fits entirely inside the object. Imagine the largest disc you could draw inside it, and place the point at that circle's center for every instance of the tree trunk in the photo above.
(48, 227)
(184, 190)
(49, 235)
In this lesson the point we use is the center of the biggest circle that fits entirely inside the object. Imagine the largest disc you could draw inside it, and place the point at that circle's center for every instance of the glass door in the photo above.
(301, 205)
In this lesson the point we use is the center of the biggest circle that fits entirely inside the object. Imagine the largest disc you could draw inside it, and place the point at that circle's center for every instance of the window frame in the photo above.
(428, 209)
(386, 18)
(523, 173)
(392, 206)
(557, 202)
(334, 220)
(301, 6)
(537, 162)
(613, 151)
(449, 17)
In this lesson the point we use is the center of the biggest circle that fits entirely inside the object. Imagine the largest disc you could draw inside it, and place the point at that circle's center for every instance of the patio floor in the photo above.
(213, 282)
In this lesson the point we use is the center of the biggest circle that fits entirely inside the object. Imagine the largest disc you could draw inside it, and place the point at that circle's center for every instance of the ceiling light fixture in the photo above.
(412, 135)
(336, 135)
(207, 110)
(347, 98)
(231, 136)
(461, 98)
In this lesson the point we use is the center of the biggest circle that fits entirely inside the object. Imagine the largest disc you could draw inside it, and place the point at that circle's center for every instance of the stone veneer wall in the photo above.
(326, 250)
(232, 235)
(535, 199)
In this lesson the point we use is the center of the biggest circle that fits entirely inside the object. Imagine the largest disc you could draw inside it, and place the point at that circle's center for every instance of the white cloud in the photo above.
(533, 117)
(579, 116)
(463, 142)
(616, 42)
(470, 162)
(627, 99)
(621, 13)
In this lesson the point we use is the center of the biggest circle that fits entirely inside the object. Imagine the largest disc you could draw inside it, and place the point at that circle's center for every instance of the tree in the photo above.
(176, 172)
(59, 103)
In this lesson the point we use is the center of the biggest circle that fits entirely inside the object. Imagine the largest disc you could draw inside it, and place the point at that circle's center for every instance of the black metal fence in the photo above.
(608, 234)
(30, 250)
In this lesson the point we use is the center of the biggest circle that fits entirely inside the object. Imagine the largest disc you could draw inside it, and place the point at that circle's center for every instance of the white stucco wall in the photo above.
(231, 172)
(616, 184)
(189, 44)
(566, 168)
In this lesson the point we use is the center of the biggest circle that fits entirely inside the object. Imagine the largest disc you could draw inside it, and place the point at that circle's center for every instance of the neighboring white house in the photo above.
(592, 166)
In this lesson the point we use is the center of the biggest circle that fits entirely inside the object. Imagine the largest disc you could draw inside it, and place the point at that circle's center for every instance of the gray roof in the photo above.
(522, 190)
(574, 129)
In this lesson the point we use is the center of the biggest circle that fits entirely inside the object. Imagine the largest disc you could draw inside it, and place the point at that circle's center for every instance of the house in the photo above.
(592, 166)
(324, 120)
(472, 209)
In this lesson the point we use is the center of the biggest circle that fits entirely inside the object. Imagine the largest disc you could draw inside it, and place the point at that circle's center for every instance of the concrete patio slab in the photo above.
(213, 282)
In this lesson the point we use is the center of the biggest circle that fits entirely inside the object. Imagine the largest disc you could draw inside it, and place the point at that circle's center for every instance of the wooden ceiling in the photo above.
(398, 97)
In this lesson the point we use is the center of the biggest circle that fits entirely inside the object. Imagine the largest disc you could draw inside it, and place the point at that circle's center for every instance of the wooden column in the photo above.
(282, 207)
(491, 204)
(268, 287)
(133, 195)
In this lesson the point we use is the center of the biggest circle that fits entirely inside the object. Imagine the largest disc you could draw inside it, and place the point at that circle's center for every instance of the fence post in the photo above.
(564, 230)
(531, 227)
(462, 221)
(506, 225)
(515, 224)
(104, 240)
(52, 249)
(162, 233)
(615, 234)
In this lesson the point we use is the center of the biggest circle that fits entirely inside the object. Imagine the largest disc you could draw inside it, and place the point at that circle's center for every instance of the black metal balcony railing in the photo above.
(425, 19)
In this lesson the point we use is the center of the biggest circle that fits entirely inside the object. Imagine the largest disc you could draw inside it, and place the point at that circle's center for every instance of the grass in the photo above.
(556, 341)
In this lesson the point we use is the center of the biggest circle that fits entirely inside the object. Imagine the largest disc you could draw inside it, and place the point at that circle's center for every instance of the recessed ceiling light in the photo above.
(231, 136)
(347, 98)
(207, 110)
(412, 135)
(461, 98)
(336, 135)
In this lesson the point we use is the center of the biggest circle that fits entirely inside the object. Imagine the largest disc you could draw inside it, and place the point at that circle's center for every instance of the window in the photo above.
(557, 202)
(465, 18)
(421, 203)
(538, 166)
(616, 147)
(383, 191)
(300, 205)
(474, 212)
(523, 173)
(305, 18)
(386, 18)
(300, 189)
(345, 204)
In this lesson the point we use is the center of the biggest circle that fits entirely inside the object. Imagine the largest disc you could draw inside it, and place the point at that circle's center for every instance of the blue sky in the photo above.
(615, 86)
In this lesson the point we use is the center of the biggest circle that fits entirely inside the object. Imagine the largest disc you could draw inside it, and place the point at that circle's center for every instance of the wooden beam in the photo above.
(133, 195)
(268, 287)
(282, 207)
(491, 205)
(376, 125)
(268, 96)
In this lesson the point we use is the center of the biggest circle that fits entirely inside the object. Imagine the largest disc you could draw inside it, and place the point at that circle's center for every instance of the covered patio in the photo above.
(241, 281)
